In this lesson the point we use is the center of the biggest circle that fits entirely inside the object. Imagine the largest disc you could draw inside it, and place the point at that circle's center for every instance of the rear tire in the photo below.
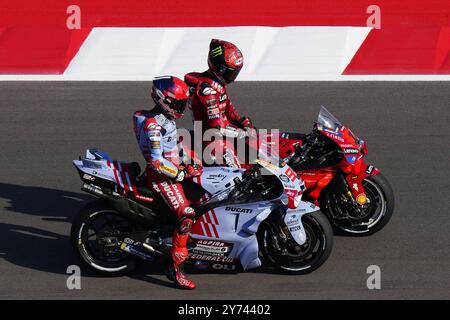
(114, 262)
(306, 258)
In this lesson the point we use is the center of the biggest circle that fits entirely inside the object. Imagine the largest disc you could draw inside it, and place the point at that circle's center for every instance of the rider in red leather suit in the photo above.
(211, 105)
(210, 102)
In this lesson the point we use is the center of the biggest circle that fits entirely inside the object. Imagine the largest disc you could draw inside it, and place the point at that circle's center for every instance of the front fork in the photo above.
(354, 178)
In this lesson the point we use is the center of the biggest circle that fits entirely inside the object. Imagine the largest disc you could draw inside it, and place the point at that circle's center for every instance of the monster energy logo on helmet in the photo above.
(216, 51)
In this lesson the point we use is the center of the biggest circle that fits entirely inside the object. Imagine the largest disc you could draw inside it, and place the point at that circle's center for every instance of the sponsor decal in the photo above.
(88, 177)
(211, 102)
(240, 210)
(216, 51)
(335, 136)
(361, 198)
(369, 169)
(91, 164)
(293, 221)
(351, 151)
(355, 186)
(142, 198)
(136, 252)
(332, 132)
(212, 243)
(206, 257)
(173, 194)
(228, 160)
(168, 170)
(208, 91)
(213, 111)
(154, 126)
(291, 174)
(207, 249)
(217, 176)
(296, 228)
(351, 159)
(223, 97)
(226, 267)
(284, 178)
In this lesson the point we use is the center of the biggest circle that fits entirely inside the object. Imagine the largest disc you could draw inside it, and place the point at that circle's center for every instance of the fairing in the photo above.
(226, 234)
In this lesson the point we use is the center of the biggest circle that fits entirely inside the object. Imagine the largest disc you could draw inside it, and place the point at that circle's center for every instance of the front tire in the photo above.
(298, 259)
(96, 242)
(372, 218)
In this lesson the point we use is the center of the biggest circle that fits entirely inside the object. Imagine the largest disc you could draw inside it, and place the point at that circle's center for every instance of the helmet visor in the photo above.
(230, 74)
(178, 106)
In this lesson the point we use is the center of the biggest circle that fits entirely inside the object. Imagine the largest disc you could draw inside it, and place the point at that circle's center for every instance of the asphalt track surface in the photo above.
(44, 125)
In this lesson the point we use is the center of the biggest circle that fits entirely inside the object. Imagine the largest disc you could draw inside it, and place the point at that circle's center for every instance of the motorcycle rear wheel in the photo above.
(93, 240)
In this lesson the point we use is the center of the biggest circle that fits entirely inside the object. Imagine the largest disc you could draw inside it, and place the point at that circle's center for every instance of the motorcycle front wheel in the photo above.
(350, 219)
(289, 257)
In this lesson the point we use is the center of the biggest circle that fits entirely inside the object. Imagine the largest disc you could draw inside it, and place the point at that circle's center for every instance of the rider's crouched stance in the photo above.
(156, 133)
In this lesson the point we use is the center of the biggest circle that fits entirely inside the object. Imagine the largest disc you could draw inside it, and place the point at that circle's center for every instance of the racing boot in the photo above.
(175, 272)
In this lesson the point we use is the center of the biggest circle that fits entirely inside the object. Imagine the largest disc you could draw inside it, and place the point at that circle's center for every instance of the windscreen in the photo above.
(327, 120)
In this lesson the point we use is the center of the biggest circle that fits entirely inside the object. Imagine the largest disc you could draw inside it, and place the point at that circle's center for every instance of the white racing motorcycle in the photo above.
(245, 219)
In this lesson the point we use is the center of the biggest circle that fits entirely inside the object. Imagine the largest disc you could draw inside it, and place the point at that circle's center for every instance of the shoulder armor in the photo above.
(152, 124)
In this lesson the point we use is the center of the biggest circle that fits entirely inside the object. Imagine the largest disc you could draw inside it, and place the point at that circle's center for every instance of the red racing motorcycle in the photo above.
(355, 196)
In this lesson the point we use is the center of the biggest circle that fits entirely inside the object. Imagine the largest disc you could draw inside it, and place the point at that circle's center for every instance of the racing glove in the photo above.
(245, 122)
(188, 172)
(233, 132)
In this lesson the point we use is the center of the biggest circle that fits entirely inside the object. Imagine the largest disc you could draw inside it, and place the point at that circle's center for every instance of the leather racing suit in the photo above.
(211, 105)
(158, 141)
